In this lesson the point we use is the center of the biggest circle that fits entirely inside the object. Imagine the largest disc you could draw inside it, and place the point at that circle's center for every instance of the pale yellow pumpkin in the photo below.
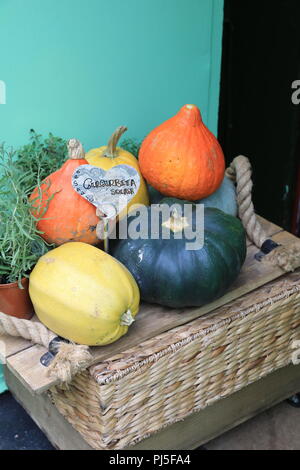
(83, 294)
(109, 156)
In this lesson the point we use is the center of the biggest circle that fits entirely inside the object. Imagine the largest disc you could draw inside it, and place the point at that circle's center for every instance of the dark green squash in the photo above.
(168, 274)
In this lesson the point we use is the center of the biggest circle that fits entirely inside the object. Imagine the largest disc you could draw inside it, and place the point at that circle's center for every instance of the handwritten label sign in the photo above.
(110, 191)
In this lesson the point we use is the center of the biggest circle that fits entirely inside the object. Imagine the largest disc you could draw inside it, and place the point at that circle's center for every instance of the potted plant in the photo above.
(20, 243)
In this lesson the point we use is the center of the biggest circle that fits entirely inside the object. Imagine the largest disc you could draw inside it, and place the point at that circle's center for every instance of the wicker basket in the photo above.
(161, 381)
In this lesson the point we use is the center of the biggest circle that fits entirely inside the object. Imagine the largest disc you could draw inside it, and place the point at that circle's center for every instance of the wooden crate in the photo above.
(176, 365)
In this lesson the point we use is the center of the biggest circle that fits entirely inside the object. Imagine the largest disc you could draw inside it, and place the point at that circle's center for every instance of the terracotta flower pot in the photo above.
(15, 301)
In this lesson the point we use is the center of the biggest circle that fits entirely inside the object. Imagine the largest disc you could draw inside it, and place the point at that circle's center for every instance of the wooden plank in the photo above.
(10, 345)
(195, 430)
(153, 320)
(26, 366)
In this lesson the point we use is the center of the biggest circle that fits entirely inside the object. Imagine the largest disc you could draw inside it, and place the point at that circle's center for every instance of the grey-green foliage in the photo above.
(131, 145)
(41, 157)
(20, 172)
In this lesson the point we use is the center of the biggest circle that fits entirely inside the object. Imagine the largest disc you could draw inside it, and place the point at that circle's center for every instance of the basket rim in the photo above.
(103, 376)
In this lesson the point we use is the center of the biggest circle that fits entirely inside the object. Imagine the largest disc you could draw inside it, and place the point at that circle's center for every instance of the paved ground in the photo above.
(275, 429)
(17, 430)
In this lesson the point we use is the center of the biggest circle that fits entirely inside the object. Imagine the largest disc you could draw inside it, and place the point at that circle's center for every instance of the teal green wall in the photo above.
(81, 68)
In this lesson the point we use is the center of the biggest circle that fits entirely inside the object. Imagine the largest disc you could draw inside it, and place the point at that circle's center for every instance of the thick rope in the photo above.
(287, 258)
(32, 330)
(70, 359)
(240, 171)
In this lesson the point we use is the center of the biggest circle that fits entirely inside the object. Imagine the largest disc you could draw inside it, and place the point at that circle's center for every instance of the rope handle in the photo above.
(70, 359)
(73, 358)
(287, 258)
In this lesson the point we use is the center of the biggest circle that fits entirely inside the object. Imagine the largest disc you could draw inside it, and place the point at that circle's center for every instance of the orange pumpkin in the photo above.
(182, 158)
(66, 215)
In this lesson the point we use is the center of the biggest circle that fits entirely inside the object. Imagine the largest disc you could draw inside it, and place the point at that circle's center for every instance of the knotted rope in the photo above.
(287, 258)
(72, 358)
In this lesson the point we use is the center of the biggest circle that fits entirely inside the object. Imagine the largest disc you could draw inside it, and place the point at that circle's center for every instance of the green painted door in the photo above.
(80, 69)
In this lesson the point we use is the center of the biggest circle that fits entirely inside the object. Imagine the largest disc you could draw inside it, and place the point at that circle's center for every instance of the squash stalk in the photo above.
(176, 223)
(111, 149)
(127, 318)
(75, 150)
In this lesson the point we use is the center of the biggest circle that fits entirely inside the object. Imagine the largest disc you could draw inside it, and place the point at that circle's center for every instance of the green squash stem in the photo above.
(176, 223)
(127, 318)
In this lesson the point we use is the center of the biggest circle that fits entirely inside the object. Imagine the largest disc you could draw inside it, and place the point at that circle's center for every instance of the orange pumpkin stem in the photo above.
(75, 150)
(190, 114)
(111, 149)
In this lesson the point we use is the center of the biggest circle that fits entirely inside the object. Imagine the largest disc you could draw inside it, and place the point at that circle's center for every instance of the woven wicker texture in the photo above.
(163, 380)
